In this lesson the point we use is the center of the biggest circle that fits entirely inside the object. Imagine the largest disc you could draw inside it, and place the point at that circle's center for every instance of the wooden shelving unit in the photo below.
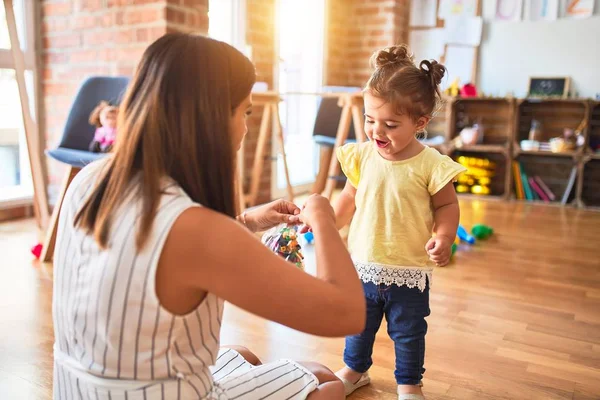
(589, 194)
(496, 115)
(507, 121)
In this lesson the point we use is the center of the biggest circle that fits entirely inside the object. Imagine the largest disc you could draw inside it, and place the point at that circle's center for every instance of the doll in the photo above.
(104, 118)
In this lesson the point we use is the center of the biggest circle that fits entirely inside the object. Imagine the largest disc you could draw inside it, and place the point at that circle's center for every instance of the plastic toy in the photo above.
(283, 241)
(37, 250)
(454, 88)
(464, 235)
(478, 176)
(481, 231)
(309, 237)
(454, 247)
(468, 90)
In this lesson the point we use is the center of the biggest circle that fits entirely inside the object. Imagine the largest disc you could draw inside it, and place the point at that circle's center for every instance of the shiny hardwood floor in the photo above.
(514, 317)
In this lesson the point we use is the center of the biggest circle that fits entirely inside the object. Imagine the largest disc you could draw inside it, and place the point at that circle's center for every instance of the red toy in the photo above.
(469, 90)
(37, 250)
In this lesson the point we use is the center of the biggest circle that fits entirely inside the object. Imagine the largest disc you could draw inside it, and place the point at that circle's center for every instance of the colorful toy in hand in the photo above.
(283, 241)
(481, 231)
(104, 118)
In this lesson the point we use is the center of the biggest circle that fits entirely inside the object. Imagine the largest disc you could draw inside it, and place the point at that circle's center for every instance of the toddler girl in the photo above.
(401, 200)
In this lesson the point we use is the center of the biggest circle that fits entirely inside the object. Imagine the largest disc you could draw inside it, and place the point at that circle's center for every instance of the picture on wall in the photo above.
(423, 13)
(457, 8)
(579, 8)
(509, 10)
(549, 87)
(541, 10)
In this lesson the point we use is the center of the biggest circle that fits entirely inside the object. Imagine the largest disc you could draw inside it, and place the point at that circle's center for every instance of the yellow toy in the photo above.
(454, 88)
(478, 176)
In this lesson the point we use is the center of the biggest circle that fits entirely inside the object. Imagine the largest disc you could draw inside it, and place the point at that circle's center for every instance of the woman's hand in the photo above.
(270, 215)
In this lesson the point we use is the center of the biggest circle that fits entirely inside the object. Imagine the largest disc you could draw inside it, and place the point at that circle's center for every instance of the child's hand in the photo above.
(439, 249)
(316, 208)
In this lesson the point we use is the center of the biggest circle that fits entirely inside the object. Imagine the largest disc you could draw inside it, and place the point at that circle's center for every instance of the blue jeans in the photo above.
(405, 310)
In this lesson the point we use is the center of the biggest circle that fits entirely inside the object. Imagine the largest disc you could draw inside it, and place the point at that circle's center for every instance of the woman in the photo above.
(148, 249)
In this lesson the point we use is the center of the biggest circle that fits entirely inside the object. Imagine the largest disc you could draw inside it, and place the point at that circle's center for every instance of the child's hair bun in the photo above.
(394, 55)
(434, 70)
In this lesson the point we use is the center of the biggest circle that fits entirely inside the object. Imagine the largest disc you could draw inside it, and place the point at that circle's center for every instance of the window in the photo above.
(15, 175)
(300, 48)
(227, 22)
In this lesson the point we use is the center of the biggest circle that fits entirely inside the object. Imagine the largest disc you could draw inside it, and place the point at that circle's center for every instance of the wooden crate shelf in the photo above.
(593, 142)
(554, 172)
(496, 115)
(590, 188)
(554, 115)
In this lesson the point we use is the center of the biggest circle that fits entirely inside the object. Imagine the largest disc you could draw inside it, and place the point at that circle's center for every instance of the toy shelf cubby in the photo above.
(554, 116)
(590, 184)
(496, 115)
(593, 143)
(498, 185)
(555, 172)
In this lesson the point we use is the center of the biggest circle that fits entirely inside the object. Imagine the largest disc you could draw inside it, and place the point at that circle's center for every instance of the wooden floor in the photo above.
(515, 317)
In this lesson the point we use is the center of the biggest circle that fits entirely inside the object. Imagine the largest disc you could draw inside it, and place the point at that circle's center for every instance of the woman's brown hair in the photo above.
(174, 122)
(411, 89)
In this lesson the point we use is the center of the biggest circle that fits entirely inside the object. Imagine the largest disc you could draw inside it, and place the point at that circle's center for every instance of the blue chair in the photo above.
(77, 135)
(325, 131)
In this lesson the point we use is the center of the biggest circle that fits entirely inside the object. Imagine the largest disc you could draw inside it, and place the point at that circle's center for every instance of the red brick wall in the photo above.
(260, 35)
(356, 29)
(93, 37)
(187, 16)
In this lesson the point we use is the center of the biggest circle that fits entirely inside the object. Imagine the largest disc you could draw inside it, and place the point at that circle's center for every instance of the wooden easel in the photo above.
(352, 112)
(270, 101)
(40, 197)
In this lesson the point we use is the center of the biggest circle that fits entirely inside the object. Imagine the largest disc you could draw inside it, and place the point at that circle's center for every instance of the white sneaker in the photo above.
(350, 387)
(411, 396)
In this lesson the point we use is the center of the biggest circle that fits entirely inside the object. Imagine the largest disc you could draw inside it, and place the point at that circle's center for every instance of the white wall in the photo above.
(511, 52)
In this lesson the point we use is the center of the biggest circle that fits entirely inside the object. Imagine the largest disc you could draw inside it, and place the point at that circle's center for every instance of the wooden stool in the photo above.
(270, 101)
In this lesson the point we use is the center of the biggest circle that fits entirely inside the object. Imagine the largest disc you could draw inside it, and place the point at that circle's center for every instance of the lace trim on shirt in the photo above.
(400, 276)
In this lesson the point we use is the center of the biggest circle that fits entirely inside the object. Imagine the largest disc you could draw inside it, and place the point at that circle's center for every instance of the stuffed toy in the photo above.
(104, 118)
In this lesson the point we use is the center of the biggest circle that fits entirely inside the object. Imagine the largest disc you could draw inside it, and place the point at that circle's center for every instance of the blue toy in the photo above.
(309, 237)
(464, 235)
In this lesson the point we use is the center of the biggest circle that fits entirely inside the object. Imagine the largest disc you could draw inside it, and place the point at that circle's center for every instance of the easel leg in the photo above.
(31, 132)
(259, 160)
(325, 154)
(280, 139)
(340, 139)
(49, 242)
(359, 123)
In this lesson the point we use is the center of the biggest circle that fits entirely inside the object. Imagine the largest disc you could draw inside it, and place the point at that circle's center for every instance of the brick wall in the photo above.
(89, 37)
(187, 16)
(260, 35)
(356, 29)
(99, 37)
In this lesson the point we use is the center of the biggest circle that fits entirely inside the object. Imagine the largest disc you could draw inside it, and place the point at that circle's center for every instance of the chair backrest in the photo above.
(329, 113)
(78, 133)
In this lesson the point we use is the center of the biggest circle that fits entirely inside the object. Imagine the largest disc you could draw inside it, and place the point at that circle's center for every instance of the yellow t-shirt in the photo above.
(394, 216)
